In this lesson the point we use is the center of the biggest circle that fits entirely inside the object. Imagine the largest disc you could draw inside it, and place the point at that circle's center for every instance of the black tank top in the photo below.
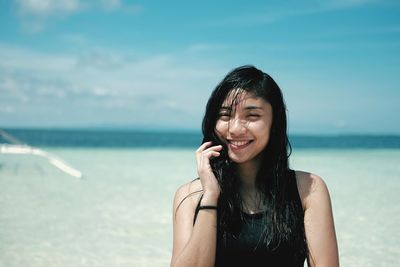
(245, 248)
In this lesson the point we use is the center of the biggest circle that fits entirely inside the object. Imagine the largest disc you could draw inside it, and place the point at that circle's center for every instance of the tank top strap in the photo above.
(197, 209)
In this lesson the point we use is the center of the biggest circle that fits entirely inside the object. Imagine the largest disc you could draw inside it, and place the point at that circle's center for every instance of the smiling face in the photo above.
(244, 125)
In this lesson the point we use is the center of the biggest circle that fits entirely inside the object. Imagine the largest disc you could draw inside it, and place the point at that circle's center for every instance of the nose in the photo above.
(236, 127)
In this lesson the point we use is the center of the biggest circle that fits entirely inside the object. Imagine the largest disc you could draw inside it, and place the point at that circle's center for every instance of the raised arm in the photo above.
(195, 245)
(318, 223)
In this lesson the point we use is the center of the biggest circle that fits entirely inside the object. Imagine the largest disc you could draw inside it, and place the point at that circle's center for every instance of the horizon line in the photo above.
(183, 130)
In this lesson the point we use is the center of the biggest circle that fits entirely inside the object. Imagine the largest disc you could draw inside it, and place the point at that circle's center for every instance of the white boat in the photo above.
(19, 148)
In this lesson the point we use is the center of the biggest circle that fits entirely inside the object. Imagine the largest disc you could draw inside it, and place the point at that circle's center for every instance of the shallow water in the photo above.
(120, 213)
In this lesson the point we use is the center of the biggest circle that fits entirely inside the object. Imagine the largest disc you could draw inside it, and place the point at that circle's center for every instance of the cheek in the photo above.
(263, 130)
(221, 128)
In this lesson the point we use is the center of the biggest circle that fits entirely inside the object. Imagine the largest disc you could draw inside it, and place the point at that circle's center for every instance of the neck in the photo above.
(252, 200)
(248, 173)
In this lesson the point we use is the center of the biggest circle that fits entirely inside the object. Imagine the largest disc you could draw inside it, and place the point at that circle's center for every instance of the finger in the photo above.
(213, 148)
(204, 146)
(208, 153)
(206, 156)
(215, 154)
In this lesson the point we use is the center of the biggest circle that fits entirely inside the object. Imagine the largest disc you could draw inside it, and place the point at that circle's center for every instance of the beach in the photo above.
(120, 213)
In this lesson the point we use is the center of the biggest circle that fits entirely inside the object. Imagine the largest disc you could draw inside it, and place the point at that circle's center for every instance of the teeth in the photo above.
(239, 143)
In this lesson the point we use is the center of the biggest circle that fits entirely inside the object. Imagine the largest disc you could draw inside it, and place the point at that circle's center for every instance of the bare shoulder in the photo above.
(188, 194)
(318, 220)
(310, 186)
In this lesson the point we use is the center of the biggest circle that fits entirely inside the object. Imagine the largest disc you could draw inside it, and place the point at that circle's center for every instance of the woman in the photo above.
(247, 208)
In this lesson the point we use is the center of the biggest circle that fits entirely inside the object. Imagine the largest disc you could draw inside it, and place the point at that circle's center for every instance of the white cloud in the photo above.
(99, 60)
(339, 4)
(47, 7)
(35, 14)
(22, 59)
(110, 85)
(203, 47)
(111, 4)
(11, 90)
(272, 13)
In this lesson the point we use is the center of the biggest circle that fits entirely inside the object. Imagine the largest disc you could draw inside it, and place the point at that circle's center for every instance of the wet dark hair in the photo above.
(284, 215)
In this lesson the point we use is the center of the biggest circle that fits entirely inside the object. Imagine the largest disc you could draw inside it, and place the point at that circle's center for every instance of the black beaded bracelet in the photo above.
(208, 207)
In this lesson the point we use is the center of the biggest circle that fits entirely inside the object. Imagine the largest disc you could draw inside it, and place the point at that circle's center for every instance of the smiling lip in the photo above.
(235, 144)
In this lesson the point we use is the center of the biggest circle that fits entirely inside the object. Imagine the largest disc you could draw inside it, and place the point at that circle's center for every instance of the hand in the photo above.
(208, 180)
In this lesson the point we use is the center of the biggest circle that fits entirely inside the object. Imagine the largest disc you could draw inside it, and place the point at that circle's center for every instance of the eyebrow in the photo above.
(247, 108)
(253, 107)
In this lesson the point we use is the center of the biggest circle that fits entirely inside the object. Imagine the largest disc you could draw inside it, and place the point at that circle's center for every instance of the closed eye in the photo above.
(254, 116)
(224, 116)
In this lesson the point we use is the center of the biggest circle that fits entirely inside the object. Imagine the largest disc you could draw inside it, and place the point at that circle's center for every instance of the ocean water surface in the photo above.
(120, 213)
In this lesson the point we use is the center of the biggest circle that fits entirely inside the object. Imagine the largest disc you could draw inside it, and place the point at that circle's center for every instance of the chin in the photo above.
(238, 160)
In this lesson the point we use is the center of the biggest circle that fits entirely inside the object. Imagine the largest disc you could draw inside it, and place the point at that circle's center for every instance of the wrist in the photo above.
(210, 198)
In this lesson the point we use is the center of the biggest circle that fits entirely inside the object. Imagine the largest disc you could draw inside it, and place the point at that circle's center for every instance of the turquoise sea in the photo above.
(120, 213)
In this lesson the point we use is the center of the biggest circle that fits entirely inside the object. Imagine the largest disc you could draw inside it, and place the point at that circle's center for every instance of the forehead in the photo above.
(238, 98)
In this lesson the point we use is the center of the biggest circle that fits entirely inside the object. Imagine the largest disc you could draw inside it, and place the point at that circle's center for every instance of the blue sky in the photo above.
(153, 64)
